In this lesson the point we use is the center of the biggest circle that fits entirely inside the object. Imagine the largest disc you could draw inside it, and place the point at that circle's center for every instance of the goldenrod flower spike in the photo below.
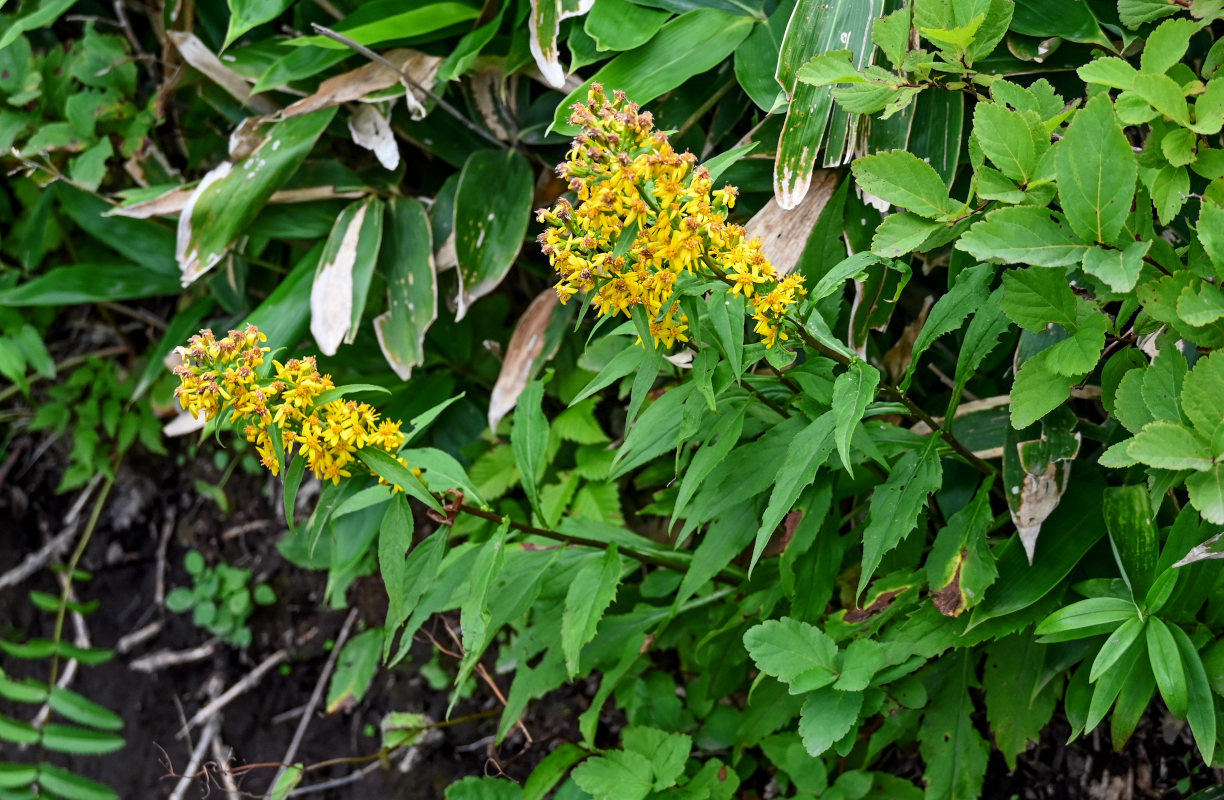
(220, 375)
(626, 174)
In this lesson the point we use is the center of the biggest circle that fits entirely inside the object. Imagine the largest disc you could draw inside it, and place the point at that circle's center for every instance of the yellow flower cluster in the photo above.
(629, 180)
(221, 374)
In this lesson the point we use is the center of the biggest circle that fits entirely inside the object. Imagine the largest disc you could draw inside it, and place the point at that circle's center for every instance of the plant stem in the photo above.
(728, 575)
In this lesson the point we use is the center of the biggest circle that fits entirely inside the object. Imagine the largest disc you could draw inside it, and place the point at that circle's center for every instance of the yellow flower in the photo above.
(628, 180)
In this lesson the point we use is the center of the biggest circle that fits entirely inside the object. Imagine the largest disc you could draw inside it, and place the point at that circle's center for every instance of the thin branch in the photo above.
(315, 697)
(248, 682)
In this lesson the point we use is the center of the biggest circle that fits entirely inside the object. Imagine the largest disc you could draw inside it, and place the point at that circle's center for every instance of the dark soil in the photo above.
(153, 499)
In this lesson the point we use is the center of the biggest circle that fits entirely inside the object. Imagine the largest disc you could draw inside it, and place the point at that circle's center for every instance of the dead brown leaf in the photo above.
(357, 84)
(197, 54)
(526, 344)
(784, 233)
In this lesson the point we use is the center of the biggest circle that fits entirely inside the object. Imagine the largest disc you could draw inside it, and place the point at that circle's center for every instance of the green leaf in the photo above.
(907, 181)
(529, 439)
(1014, 141)
(723, 436)
(549, 772)
(90, 283)
(1129, 520)
(621, 25)
(827, 716)
(1168, 445)
(246, 14)
(1084, 616)
(1080, 353)
(376, 25)
(688, 45)
(1038, 390)
(406, 259)
(616, 775)
(806, 454)
(1202, 393)
(902, 233)
(355, 670)
(891, 34)
(1096, 171)
(386, 467)
(1207, 493)
(1116, 646)
(18, 732)
(719, 163)
(1199, 700)
(71, 786)
(230, 196)
(1210, 230)
(586, 601)
(1109, 71)
(896, 504)
(1017, 708)
(483, 788)
(1033, 298)
(1200, 303)
(492, 209)
(668, 752)
(80, 741)
(394, 540)
(814, 27)
(1166, 45)
(78, 708)
(829, 68)
(796, 653)
(419, 573)
(1119, 269)
(852, 391)
(954, 752)
(1022, 235)
(288, 781)
(1167, 667)
(475, 614)
(41, 16)
(1134, 13)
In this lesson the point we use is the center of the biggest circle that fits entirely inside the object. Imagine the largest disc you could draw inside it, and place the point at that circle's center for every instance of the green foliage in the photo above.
(220, 599)
(778, 564)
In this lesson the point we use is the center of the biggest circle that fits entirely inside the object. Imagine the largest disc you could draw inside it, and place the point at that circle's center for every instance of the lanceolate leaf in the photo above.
(543, 27)
(852, 391)
(967, 295)
(342, 280)
(815, 27)
(492, 208)
(590, 594)
(529, 439)
(688, 45)
(954, 752)
(407, 261)
(806, 454)
(1096, 172)
(896, 504)
(229, 197)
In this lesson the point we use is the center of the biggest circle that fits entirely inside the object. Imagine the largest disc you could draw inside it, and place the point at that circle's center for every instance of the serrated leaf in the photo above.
(1168, 445)
(907, 181)
(954, 752)
(1096, 171)
(805, 455)
(1017, 714)
(1119, 269)
(1034, 298)
(1200, 303)
(896, 504)
(1037, 391)
(1022, 235)
(1009, 140)
(902, 233)
(796, 653)
(616, 775)
(1079, 353)
(1207, 493)
(529, 439)
(827, 716)
(590, 594)
(668, 752)
(852, 391)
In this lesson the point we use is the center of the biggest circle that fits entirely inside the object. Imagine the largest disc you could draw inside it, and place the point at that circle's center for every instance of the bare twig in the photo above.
(197, 755)
(138, 637)
(248, 682)
(315, 696)
(334, 783)
(221, 764)
(169, 658)
(163, 542)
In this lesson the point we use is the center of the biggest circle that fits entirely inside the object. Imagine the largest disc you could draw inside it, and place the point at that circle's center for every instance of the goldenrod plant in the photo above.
(891, 449)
